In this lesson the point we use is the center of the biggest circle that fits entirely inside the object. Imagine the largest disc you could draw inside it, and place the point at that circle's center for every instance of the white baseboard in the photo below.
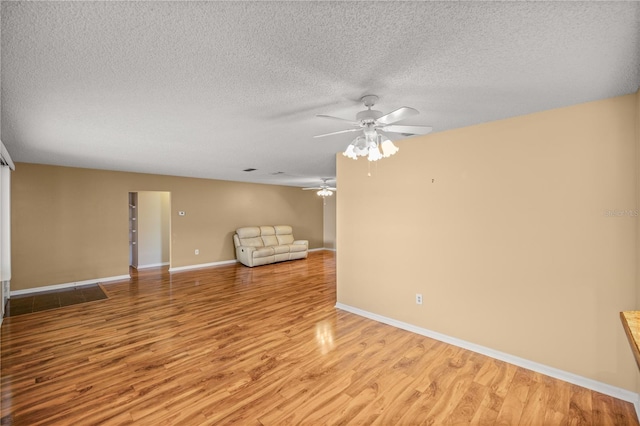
(321, 249)
(152, 265)
(616, 392)
(202, 265)
(69, 285)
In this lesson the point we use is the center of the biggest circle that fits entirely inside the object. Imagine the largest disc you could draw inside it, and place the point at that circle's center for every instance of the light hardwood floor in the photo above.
(233, 345)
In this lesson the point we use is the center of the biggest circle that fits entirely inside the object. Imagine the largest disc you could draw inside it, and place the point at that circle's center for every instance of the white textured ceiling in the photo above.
(207, 89)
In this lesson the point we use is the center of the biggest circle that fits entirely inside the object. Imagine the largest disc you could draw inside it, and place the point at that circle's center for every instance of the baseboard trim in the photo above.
(68, 285)
(152, 265)
(201, 265)
(585, 382)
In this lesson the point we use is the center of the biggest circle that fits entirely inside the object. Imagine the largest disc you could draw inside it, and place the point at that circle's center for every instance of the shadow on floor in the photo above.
(20, 305)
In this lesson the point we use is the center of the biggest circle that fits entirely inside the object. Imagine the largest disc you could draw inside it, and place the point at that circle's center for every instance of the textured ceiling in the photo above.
(207, 89)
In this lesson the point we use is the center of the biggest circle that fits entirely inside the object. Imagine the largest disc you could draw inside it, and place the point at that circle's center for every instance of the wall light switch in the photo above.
(181, 213)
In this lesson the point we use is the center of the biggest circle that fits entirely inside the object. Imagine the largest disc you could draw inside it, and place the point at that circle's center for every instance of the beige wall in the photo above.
(1, 285)
(503, 229)
(329, 222)
(637, 306)
(71, 224)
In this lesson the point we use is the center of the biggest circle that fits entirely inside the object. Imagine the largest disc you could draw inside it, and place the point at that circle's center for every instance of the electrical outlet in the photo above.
(197, 251)
(418, 299)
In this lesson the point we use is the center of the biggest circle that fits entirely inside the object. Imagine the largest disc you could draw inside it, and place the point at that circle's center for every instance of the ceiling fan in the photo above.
(324, 190)
(378, 130)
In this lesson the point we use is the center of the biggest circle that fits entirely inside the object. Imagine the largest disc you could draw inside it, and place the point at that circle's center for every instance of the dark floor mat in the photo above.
(20, 305)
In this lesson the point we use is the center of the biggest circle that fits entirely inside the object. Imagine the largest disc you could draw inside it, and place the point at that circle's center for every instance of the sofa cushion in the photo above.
(250, 236)
(269, 240)
(248, 232)
(293, 248)
(251, 242)
(280, 249)
(263, 252)
(285, 239)
(283, 229)
(267, 230)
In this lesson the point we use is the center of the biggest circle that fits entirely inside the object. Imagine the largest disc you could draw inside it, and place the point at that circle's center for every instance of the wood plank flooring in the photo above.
(262, 346)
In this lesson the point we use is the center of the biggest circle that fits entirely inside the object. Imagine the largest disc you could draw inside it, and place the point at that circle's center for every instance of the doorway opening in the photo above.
(149, 229)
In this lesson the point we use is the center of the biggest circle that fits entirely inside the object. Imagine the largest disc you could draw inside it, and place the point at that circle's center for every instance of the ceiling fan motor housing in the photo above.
(368, 116)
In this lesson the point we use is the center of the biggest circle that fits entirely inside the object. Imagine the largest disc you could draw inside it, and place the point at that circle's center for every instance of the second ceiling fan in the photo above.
(378, 130)
(324, 190)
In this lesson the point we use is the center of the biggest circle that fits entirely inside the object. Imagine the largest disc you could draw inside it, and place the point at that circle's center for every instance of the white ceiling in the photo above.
(207, 89)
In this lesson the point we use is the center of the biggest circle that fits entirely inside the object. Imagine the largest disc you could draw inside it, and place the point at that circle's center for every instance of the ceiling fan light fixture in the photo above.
(350, 152)
(374, 153)
(324, 190)
(362, 145)
(388, 148)
(373, 143)
(369, 146)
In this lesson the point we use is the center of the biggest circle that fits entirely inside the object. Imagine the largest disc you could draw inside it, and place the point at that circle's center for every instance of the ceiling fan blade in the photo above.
(332, 189)
(397, 115)
(337, 133)
(407, 130)
(355, 123)
(391, 136)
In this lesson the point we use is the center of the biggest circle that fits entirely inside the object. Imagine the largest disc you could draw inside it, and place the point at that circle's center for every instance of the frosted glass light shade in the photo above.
(388, 148)
(349, 152)
(372, 145)
(374, 153)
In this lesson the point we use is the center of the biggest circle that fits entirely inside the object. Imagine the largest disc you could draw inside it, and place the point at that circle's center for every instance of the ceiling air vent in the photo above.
(249, 170)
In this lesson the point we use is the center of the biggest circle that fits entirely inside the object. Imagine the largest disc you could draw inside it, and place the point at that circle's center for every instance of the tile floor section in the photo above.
(20, 305)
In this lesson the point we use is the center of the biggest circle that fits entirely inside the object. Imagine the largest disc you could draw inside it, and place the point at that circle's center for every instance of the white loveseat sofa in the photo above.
(260, 245)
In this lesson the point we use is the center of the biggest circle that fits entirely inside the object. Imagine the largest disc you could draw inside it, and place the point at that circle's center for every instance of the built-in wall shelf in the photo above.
(133, 229)
(631, 324)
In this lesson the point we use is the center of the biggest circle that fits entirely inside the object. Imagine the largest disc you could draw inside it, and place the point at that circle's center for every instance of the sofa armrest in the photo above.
(244, 254)
(303, 242)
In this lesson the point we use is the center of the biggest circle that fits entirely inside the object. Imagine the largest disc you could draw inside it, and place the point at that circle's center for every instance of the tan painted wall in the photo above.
(1, 285)
(71, 224)
(329, 222)
(502, 228)
(637, 306)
